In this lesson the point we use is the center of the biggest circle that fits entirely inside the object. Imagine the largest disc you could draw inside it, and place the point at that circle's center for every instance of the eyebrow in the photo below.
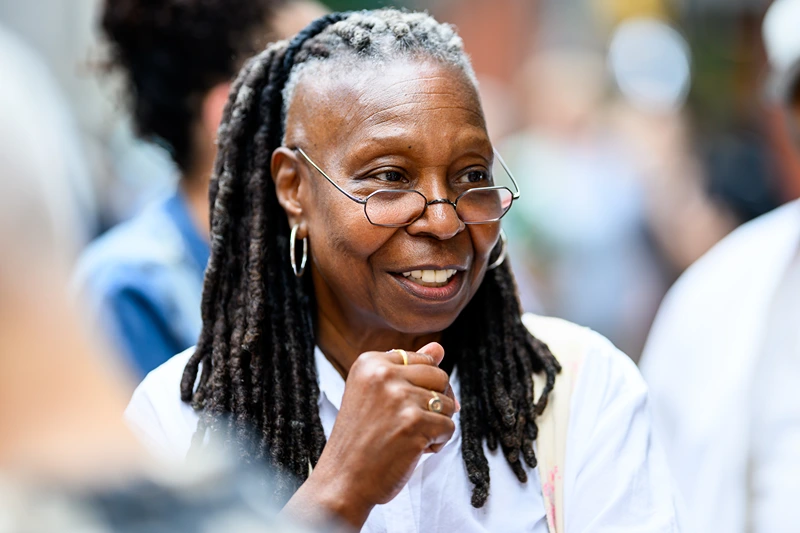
(405, 142)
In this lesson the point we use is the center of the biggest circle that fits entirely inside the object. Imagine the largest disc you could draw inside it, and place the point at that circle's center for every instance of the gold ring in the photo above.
(403, 354)
(435, 404)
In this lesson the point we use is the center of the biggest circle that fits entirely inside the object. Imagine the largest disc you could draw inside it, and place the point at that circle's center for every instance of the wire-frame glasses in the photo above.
(397, 208)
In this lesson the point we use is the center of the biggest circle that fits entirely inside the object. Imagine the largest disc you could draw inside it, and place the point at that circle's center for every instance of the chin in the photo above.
(423, 320)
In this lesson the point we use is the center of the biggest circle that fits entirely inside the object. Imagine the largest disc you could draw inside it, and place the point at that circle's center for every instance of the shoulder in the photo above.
(156, 413)
(600, 381)
(597, 379)
(737, 256)
(614, 476)
(588, 353)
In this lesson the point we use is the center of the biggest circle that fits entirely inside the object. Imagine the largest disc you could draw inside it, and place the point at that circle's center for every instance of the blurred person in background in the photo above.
(143, 279)
(723, 358)
(652, 69)
(68, 463)
(581, 227)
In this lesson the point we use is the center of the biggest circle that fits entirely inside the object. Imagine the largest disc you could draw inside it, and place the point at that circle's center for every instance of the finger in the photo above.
(427, 377)
(431, 378)
(452, 395)
(438, 430)
(434, 448)
(425, 398)
(414, 358)
(422, 377)
(435, 350)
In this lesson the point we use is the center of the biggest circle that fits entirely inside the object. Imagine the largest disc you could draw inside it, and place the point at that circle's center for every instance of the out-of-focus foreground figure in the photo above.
(67, 461)
(723, 358)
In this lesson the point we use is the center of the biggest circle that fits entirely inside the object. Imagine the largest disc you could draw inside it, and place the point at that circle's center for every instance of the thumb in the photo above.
(435, 350)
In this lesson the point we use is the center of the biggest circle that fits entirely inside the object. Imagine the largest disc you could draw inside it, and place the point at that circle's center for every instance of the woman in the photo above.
(374, 355)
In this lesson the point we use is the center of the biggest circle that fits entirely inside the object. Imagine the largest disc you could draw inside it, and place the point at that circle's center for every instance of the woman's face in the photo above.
(412, 125)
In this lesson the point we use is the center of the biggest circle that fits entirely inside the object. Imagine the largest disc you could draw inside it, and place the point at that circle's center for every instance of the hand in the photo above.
(384, 426)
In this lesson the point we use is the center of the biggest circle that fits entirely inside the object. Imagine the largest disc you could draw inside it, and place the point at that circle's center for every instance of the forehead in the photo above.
(408, 101)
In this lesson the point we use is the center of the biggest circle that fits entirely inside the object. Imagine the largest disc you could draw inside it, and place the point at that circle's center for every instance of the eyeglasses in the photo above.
(395, 208)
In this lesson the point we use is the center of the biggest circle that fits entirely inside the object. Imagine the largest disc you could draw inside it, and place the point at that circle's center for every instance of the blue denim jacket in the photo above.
(143, 281)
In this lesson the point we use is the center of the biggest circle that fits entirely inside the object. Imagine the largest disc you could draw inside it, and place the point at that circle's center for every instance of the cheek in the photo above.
(340, 232)
(484, 238)
(342, 242)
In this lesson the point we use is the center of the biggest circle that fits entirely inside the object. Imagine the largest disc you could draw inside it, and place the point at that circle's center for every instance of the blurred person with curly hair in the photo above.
(143, 279)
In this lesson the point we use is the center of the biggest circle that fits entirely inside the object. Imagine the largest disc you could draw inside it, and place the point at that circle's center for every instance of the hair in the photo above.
(257, 387)
(173, 52)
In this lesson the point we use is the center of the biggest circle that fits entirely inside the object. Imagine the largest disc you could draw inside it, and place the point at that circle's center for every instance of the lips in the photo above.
(446, 283)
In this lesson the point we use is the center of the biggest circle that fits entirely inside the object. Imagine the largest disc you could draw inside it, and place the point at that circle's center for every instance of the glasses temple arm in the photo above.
(310, 162)
(516, 194)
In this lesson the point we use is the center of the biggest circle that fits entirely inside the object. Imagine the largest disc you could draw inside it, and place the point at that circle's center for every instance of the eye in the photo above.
(476, 177)
(391, 176)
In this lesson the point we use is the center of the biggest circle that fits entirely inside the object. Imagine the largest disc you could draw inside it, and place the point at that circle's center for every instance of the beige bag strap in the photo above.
(569, 344)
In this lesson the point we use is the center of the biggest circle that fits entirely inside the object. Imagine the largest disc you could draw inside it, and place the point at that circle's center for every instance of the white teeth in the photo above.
(431, 276)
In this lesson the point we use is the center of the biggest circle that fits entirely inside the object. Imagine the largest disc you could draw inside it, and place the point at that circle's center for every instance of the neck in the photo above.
(343, 340)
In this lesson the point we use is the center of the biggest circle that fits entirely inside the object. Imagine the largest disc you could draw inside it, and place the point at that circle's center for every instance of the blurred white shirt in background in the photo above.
(723, 366)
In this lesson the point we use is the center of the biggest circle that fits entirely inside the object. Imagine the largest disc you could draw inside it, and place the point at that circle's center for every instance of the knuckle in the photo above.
(358, 365)
(364, 357)
(380, 372)
(395, 392)
(370, 367)
(409, 419)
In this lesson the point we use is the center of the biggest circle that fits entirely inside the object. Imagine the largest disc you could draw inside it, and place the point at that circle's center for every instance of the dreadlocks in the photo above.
(258, 385)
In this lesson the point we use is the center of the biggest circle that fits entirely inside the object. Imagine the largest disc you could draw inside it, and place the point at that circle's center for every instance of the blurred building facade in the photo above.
(721, 157)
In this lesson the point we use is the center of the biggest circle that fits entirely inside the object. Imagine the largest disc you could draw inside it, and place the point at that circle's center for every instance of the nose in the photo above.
(439, 220)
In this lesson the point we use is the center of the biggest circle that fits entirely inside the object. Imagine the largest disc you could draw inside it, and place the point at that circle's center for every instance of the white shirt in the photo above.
(723, 366)
(616, 478)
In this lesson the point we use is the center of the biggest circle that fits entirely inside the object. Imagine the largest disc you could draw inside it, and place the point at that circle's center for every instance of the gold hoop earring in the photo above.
(503, 252)
(293, 255)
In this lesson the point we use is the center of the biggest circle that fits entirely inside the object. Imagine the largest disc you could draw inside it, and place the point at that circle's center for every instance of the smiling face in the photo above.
(411, 125)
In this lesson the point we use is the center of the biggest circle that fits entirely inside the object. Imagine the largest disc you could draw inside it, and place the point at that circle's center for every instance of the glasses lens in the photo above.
(394, 208)
(484, 205)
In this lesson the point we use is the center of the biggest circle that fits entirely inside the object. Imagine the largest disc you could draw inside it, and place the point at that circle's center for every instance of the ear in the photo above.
(213, 106)
(286, 175)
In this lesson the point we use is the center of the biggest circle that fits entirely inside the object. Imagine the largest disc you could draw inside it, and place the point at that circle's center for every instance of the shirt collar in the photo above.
(196, 244)
(331, 383)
